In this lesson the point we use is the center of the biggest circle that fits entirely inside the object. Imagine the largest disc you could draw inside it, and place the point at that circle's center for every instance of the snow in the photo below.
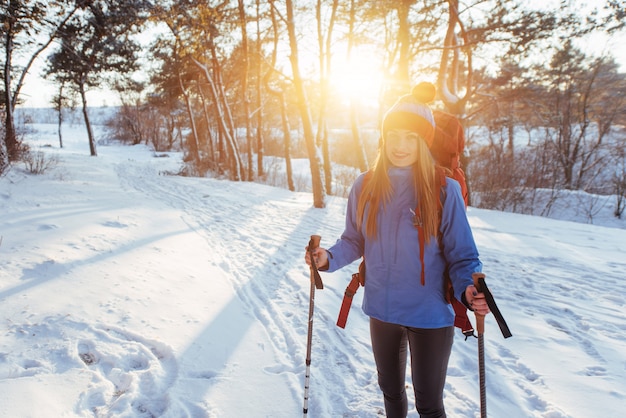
(126, 291)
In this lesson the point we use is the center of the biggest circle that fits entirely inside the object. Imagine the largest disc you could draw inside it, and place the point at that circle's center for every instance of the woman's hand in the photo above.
(476, 300)
(319, 254)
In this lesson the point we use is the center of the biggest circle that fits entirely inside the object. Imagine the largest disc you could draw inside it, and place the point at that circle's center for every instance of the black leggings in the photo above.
(430, 351)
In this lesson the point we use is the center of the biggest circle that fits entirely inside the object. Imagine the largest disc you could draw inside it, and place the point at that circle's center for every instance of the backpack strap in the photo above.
(417, 222)
(440, 181)
(358, 279)
(461, 320)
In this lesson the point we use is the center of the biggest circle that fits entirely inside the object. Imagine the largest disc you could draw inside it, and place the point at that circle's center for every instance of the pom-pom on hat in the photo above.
(413, 113)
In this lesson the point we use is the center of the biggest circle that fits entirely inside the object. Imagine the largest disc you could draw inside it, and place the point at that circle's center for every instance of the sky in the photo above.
(128, 291)
(38, 92)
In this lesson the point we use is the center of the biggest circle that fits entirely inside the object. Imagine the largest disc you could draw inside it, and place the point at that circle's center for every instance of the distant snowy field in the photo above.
(126, 292)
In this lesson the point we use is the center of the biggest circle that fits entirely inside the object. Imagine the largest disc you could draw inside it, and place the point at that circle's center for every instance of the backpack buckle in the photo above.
(417, 220)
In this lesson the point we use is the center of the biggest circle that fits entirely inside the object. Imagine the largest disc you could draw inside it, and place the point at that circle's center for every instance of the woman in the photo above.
(407, 304)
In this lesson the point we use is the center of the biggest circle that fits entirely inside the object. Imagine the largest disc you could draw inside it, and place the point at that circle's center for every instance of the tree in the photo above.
(577, 112)
(60, 102)
(506, 100)
(619, 181)
(165, 86)
(277, 87)
(20, 20)
(197, 29)
(611, 17)
(185, 88)
(324, 42)
(319, 193)
(95, 44)
(506, 25)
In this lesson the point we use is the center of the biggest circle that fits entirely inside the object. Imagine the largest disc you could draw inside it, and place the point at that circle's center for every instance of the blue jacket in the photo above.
(393, 292)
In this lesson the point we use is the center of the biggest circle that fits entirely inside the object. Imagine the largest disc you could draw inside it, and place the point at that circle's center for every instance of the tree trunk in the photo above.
(221, 119)
(328, 173)
(8, 143)
(59, 101)
(401, 77)
(60, 122)
(259, 117)
(325, 44)
(259, 129)
(511, 135)
(92, 140)
(213, 157)
(319, 194)
(4, 157)
(287, 142)
(280, 94)
(194, 143)
(449, 76)
(226, 117)
(244, 87)
(9, 151)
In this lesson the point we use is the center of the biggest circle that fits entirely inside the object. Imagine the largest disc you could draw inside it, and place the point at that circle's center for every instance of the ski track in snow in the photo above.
(264, 281)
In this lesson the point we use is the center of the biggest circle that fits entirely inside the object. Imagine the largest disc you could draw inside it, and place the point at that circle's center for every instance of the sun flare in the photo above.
(358, 79)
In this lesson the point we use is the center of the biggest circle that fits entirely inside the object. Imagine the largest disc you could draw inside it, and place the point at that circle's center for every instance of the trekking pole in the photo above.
(481, 286)
(316, 282)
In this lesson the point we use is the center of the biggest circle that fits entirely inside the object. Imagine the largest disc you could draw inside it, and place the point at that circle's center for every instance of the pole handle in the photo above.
(314, 243)
(480, 319)
(481, 286)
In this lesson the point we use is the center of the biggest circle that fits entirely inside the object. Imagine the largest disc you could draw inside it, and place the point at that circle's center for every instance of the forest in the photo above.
(230, 83)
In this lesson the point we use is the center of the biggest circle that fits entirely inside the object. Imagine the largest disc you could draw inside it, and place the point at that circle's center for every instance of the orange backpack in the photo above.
(447, 147)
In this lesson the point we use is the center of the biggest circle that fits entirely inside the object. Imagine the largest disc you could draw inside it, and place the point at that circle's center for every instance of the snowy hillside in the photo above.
(127, 292)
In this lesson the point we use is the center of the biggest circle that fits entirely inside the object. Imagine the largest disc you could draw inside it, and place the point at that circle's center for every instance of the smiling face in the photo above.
(401, 147)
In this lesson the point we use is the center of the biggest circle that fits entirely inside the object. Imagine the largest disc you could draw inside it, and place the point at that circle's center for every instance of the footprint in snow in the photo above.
(115, 224)
(44, 270)
(594, 371)
(130, 374)
(85, 354)
(203, 374)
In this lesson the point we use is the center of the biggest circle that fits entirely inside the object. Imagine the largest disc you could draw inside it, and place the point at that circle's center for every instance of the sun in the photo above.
(359, 79)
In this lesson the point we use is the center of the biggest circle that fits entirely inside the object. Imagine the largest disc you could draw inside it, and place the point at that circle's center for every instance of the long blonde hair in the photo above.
(376, 192)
